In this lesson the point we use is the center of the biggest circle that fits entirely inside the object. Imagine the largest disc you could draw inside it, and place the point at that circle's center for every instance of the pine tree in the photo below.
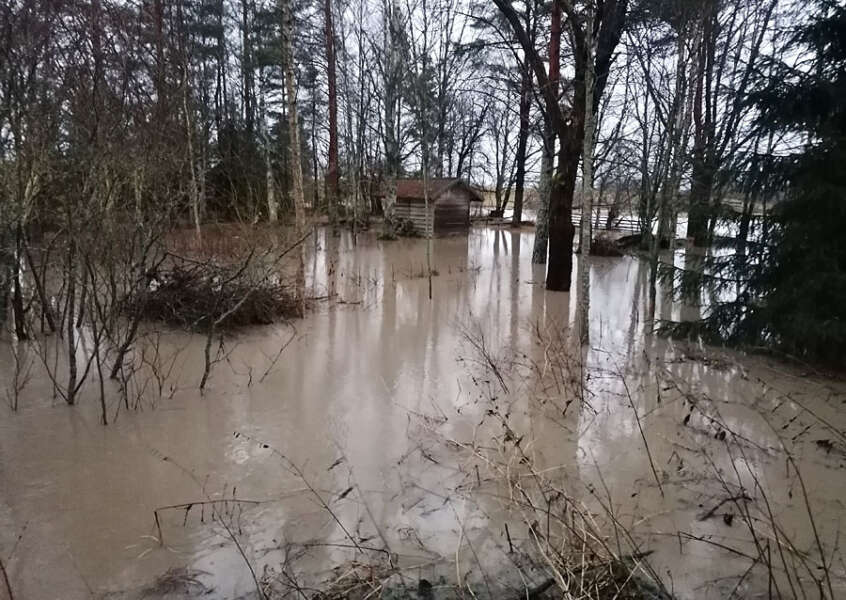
(803, 282)
(792, 287)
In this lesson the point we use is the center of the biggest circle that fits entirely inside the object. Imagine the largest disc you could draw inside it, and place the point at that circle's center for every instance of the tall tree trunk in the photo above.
(270, 183)
(18, 311)
(702, 177)
(248, 93)
(522, 142)
(70, 321)
(6, 258)
(430, 225)
(296, 167)
(586, 234)
(224, 73)
(194, 184)
(272, 202)
(159, 76)
(315, 164)
(541, 244)
(332, 176)
(539, 251)
(561, 229)
(297, 192)
(678, 124)
(390, 73)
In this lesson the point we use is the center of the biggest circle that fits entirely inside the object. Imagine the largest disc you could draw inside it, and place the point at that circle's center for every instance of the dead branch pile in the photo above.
(199, 296)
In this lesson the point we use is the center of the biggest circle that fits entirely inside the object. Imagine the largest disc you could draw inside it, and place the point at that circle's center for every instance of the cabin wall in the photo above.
(413, 210)
(449, 214)
(452, 211)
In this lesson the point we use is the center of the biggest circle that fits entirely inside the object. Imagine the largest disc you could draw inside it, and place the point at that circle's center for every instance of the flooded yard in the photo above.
(466, 440)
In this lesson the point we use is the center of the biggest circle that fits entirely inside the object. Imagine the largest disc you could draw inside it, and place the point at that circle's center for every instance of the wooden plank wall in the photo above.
(451, 212)
(414, 211)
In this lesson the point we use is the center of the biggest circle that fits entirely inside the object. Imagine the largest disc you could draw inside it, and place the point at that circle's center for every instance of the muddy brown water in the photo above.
(364, 407)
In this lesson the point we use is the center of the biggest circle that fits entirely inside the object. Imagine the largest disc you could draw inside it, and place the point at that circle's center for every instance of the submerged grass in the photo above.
(567, 537)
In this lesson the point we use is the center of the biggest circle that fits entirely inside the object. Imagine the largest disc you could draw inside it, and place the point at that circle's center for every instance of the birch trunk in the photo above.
(585, 233)
(522, 141)
(678, 123)
(194, 186)
(297, 193)
(272, 202)
(332, 186)
(390, 40)
(271, 199)
(542, 222)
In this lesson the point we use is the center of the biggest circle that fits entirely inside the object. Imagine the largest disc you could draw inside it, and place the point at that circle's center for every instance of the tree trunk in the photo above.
(678, 125)
(429, 216)
(194, 185)
(391, 84)
(6, 259)
(561, 233)
(702, 181)
(247, 93)
(702, 177)
(38, 281)
(18, 311)
(272, 202)
(586, 233)
(542, 225)
(743, 230)
(70, 273)
(522, 142)
(332, 177)
(541, 244)
(561, 229)
(297, 192)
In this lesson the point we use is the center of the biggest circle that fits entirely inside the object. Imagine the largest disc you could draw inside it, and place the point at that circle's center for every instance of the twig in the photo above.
(642, 434)
(737, 498)
(6, 580)
(278, 354)
(813, 526)
(302, 477)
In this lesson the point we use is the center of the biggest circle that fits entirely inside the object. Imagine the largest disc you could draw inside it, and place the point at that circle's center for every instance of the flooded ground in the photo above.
(430, 434)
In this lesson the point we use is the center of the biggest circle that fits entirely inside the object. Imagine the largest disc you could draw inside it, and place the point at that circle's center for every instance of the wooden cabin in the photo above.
(449, 204)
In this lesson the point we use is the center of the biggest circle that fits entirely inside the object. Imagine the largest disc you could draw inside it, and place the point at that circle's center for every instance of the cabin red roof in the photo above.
(412, 189)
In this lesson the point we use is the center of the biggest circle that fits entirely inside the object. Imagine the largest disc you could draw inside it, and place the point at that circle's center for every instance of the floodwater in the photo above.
(385, 419)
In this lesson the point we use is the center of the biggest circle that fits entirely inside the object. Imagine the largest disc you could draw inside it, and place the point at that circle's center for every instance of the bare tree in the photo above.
(569, 126)
(332, 174)
(729, 46)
